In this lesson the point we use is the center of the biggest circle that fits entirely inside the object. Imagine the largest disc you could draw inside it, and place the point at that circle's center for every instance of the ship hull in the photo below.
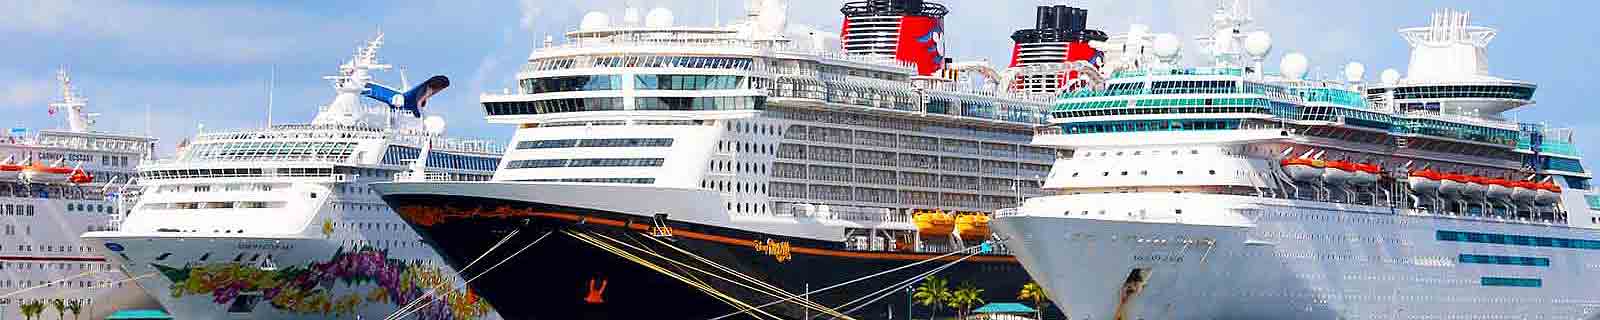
(197, 277)
(565, 271)
(1307, 260)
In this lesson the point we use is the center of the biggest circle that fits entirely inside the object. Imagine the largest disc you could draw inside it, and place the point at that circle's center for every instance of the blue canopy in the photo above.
(139, 315)
(1004, 307)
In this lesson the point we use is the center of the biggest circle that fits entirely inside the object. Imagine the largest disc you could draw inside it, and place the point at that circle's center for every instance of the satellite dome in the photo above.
(434, 124)
(1166, 45)
(595, 20)
(1294, 65)
(1390, 76)
(1354, 71)
(1258, 44)
(658, 18)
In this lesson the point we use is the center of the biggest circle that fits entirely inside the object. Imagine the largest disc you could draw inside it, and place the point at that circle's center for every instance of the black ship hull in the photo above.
(575, 270)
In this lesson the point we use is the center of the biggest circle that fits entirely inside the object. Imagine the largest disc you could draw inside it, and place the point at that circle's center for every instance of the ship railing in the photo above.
(425, 176)
(666, 42)
(1007, 212)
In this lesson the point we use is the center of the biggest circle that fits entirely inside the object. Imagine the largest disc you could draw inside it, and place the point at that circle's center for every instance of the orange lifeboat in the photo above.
(1547, 193)
(1425, 181)
(1338, 172)
(1476, 187)
(934, 223)
(10, 171)
(1450, 183)
(1302, 169)
(1499, 188)
(1364, 174)
(40, 173)
(1524, 191)
(972, 226)
(80, 177)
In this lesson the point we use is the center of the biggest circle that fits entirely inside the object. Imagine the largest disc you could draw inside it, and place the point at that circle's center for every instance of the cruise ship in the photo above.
(1225, 192)
(54, 185)
(754, 170)
(281, 222)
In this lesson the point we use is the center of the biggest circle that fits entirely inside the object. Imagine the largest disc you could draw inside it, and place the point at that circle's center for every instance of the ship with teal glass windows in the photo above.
(1226, 192)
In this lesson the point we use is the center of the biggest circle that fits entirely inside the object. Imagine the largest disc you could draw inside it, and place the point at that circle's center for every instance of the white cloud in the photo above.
(193, 33)
(26, 93)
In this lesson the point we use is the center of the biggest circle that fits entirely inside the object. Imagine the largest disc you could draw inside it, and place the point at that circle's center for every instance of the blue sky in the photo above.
(194, 62)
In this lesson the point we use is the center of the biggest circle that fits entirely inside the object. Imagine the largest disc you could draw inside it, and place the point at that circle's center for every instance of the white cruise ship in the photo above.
(280, 223)
(1222, 192)
(55, 185)
(751, 169)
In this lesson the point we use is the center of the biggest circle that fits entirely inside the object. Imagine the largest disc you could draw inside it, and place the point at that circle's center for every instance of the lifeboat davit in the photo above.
(973, 226)
(1452, 184)
(1424, 181)
(1302, 169)
(1338, 172)
(1524, 191)
(1547, 193)
(39, 173)
(1499, 188)
(1476, 187)
(934, 223)
(1364, 174)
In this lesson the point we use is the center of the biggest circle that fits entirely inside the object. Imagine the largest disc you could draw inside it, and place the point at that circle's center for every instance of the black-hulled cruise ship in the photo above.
(751, 170)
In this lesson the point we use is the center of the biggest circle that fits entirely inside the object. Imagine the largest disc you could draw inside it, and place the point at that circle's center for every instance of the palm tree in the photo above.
(964, 298)
(933, 292)
(1033, 292)
(61, 308)
(76, 307)
(31, 309)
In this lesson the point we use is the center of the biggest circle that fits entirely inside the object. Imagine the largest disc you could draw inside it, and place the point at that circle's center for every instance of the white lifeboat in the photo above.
(1338, 172)
(1452, 184)
(1424, 181)
(39, 173)
(1302, 169)
(1524, 191)
(1547, 193)
(1364, 174)
(1499, 188)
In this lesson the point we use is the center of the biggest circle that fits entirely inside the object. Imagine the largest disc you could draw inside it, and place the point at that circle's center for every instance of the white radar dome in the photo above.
(1294, 65)
(434, 124)
(595, 20)
(658, 18)
(1166, 45)
(1354, 71)
(1258, 44)
(1389, 76)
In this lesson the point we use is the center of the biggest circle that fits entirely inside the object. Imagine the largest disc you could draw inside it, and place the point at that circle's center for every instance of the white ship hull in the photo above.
(1240, 257)
(305, 279)
(42, 260)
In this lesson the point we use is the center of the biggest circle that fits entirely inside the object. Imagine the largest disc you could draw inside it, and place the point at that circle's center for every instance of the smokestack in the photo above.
(1062, 17)
(1080, 20)
(1045, 19)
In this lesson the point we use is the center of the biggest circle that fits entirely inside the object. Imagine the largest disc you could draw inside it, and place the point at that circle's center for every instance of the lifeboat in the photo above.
(1338, 172)
(80, 177)
(1451, 184)
(39, 173)
(1524, 191)
(1424, 181)
(10, 171)
(934, 223)
(1476, 187)
(1547, 193)
(1364, 174)
(1302, 169)
(973, 226)
(1499, 188)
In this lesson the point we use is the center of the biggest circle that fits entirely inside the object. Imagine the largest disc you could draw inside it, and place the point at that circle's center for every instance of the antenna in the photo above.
(272, 81)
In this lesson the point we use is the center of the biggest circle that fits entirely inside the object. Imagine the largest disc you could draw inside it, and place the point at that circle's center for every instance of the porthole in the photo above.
(1124, 173)
(1144, 172)
(1074, 174)
(1105, 174)
(1180, 172)
(1213, 172)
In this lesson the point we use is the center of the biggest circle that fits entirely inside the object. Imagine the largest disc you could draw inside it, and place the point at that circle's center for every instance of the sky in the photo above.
(194, 63)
